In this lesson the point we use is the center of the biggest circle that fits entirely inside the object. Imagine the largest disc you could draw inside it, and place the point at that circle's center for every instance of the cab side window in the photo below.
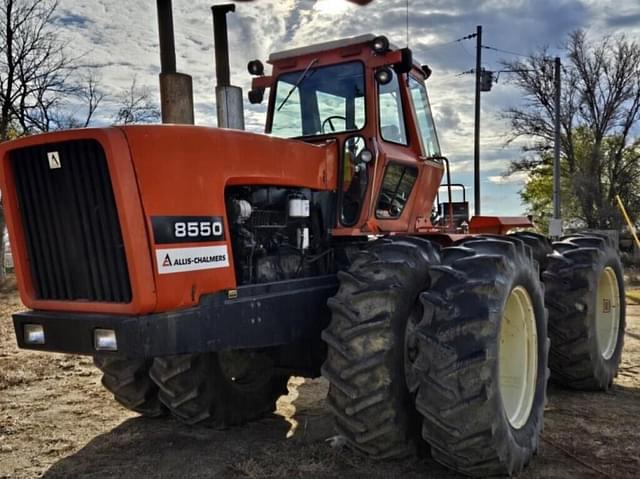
(392, 126)
(396, 188)
(424, 117)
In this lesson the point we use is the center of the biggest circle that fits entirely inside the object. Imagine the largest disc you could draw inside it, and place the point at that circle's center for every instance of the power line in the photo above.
(438, 45)
(466, 51)
(407, 17)
(487, 47)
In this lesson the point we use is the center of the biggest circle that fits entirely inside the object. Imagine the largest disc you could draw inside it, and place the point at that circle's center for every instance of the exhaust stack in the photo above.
(228, 98)
(176, 89)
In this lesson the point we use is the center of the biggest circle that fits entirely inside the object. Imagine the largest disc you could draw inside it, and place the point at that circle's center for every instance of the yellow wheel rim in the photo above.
(518, 357)
(607, 313)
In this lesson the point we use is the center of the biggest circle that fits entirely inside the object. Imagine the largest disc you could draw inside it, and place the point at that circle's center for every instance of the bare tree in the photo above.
(600, 110)
(78, 108)
(34, 69)
(136, 106)
(36, 84)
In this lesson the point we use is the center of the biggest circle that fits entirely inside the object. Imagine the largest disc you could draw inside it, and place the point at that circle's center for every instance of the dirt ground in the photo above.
(56, 421)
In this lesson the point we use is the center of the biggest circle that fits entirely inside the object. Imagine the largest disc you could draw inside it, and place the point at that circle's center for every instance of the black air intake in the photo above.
(74, 243)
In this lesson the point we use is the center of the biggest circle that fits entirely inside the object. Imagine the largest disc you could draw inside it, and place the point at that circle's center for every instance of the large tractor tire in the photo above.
(218, 389)
(376, 304)
(128, 380)
(540, 246)
(585, 296)
(482, 357)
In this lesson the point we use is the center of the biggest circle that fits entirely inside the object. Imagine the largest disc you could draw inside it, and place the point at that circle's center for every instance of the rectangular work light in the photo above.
(33, 333)
(105, 340)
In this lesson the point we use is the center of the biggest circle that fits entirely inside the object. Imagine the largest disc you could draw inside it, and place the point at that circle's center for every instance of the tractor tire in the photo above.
(482, 357)
(128, 380)
(540, 246)
(204, 389)
(376, 303)
(585, 296)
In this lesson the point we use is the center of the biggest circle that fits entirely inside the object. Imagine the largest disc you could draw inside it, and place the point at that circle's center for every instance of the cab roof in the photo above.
(326, 46)
(322, 47)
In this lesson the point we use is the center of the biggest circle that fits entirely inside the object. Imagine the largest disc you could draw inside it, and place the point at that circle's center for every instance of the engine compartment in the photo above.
(279, 233)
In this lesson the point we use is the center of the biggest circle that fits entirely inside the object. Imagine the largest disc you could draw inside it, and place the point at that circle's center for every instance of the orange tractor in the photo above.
(203, 267)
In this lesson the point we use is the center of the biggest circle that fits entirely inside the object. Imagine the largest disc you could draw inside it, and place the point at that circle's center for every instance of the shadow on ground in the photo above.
(581, 439)
(165, 448)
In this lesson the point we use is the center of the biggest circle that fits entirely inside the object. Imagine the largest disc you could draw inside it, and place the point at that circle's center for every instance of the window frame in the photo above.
(404, 113)
(272, 104)
(413, 187)
(414, 110)
(341, 193)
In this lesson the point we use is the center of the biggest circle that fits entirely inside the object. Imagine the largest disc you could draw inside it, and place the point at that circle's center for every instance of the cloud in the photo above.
(120, 40)
(519, 177)
(627, 20)
(72, 20)
(448, 118)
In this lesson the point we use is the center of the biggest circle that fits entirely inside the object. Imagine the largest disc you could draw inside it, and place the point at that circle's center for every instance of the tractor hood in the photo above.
(199, 162)
(99, 191)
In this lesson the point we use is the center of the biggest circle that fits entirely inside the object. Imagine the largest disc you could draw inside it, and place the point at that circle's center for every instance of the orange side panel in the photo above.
(183, 171)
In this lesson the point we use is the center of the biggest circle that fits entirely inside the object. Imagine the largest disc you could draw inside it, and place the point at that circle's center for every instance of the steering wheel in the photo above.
(328, 120)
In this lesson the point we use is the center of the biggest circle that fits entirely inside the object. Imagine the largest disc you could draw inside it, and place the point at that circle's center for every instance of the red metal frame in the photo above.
(497, 224)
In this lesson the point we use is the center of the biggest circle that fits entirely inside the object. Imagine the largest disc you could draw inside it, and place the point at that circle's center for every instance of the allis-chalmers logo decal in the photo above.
(179, 260)
(54, 160)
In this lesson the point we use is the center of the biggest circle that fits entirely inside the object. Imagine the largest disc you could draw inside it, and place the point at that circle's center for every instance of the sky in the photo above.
(119, 40)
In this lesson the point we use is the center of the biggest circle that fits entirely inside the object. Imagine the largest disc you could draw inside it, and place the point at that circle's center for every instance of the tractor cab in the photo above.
(370, 99)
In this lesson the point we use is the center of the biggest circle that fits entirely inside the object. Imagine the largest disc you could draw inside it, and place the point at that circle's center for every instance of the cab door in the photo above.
(400, 163)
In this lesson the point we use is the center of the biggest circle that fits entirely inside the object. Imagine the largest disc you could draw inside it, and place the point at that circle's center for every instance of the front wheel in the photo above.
(482, 357)
(128, 380)
(218, 389)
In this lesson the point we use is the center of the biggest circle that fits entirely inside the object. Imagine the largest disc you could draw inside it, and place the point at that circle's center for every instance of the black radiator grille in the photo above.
(69, 216)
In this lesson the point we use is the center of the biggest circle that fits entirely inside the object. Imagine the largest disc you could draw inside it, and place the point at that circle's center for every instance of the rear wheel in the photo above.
(540, 246)
(585, 295)
(128, 380)
(218, 389)
(482, 362)
(372, 313)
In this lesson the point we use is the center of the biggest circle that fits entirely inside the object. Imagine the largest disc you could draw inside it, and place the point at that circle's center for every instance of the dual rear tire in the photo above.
(456, 317)
(586, 299)
(584, 292)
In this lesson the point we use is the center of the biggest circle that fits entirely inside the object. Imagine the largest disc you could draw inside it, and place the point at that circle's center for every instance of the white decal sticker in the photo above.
(179, 260)
(54, 160)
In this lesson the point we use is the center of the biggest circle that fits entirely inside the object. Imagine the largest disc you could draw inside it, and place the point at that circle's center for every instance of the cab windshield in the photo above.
(319, 101)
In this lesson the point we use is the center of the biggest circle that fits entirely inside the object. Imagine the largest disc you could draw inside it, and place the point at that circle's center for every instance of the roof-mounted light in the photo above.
(255, 67)
(384, 75)
(380, 44)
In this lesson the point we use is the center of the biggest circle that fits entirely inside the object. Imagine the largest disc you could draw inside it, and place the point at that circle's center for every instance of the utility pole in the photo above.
(476, 133)
(555, 226)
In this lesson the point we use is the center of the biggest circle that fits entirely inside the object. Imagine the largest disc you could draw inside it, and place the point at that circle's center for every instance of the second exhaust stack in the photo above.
(228, 98)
